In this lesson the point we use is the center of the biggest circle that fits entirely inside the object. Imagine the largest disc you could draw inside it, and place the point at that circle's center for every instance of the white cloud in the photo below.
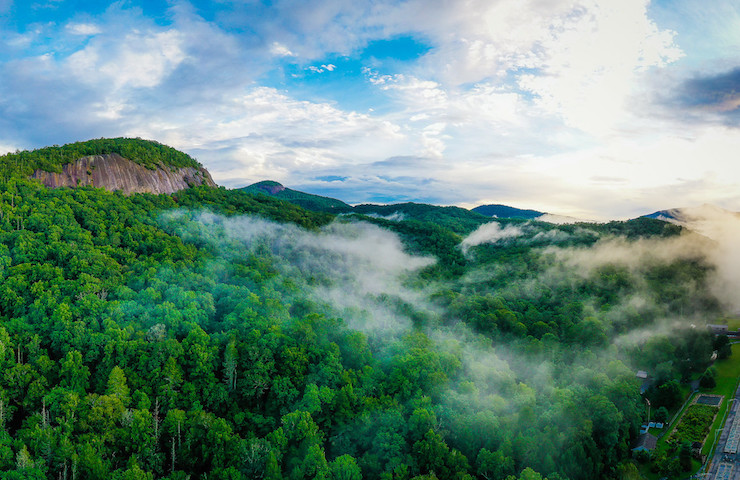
(581, 61)
(491, 233)
(323, 68)
(140, 59)
(591, 65)
(541, 104)
(444, 117)
(264, 133)
(84, 29)
(724, 228)
(280, 50)
(559, 219)
(7, 148)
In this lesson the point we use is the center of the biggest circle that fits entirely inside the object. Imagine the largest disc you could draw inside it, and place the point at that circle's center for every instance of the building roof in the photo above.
(646, 441)
(717, 328)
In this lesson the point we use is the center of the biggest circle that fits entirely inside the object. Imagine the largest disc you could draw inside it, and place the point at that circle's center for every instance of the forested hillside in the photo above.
(222, 335)
(305, 200)
(144, 152)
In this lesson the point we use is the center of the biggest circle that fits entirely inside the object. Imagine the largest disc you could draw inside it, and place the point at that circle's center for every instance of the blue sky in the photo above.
(591, 108)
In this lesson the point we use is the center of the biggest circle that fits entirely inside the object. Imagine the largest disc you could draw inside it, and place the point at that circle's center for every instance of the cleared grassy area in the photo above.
(732, 323)
(728, 375)
(667, 432)
(662, 447)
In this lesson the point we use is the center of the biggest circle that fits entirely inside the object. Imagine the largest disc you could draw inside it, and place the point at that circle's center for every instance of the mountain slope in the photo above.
(113, 172)
(148, 153)
(504, 211)
(456, 219)
(683, 215)
(130, 165)
(304, 200)
(216, 333)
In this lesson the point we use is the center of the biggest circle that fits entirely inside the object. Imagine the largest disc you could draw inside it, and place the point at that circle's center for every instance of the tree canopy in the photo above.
(218, 333)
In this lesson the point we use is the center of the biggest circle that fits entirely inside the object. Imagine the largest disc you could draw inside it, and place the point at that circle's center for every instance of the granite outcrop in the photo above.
(116, 173)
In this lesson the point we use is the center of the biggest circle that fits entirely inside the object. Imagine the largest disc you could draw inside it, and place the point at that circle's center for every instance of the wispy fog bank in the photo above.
(356, 268)
(723, 227)
(490, 233)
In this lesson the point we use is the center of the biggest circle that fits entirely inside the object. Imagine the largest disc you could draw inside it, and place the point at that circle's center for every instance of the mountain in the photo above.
(456, 219)
(119, 164)
(504, 211)
(667, 215)
(709, 220)
(304, 200)
(222, 334)
(692, 214)
(113, 172)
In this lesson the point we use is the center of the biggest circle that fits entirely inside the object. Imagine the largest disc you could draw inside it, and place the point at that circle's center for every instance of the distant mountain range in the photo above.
(134, 165)
(455, 218)
(389, 212)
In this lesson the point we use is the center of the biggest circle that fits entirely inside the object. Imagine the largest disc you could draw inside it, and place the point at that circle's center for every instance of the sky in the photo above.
(598, 109)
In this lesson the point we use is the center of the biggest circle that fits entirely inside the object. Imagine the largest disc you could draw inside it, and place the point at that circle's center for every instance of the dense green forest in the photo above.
(217, 334)
(144, 152)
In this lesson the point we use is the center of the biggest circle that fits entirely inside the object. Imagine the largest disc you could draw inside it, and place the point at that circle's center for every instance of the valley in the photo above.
(268, 333)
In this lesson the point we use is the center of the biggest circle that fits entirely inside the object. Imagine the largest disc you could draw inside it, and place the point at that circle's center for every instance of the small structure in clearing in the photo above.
(713, 400)
(645, 442)
(718, 329)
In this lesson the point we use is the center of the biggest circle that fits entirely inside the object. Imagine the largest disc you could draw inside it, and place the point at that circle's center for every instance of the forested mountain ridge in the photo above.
(457, 218)
(304, 200)
(218, 334)
(148, 153)
(125, 164)
(505, 211)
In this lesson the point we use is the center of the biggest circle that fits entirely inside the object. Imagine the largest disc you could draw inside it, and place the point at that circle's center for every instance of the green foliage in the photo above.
(694, 424)
(661, 415)
(455, 219)
(141, 338)
(722, 346)
(639, 228)
(504, 211)
(144, 152)
(684, 455)
(666, 395)
(345, 468)
(708, 379)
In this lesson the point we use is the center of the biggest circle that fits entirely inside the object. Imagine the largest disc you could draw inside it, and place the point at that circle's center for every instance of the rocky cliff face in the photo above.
(113, 172)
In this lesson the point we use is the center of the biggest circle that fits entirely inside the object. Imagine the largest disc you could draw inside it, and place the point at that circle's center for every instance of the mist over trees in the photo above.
(219, 334)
